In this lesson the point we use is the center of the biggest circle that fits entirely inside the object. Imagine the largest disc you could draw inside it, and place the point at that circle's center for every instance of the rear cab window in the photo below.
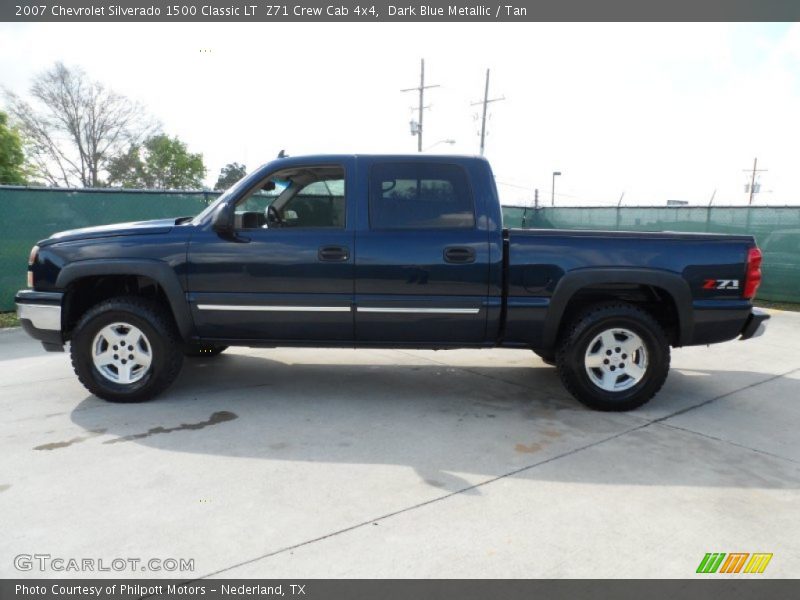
(420, 196)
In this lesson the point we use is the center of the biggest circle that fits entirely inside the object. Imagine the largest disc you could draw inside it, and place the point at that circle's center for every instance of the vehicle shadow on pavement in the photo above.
(12, 349)
(454, 425)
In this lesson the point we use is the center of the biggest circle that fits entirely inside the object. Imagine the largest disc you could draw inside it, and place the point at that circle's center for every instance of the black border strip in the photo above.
(705, 587)
(403, 11)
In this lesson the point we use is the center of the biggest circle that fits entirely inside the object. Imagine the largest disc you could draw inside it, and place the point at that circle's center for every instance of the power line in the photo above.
(513, 185)
(421, 89)
(528, 188)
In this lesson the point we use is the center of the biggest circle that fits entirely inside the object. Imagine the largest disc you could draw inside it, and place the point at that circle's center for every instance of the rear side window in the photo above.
(420, 196)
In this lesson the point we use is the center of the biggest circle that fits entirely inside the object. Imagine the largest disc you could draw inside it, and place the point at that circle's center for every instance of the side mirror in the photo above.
(223, 219)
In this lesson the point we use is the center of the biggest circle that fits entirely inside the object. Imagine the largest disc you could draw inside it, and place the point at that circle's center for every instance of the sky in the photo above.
(651, 111)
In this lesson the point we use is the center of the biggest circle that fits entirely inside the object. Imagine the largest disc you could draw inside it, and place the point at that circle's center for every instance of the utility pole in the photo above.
(486, 102)
(753, 178)
(421, 89)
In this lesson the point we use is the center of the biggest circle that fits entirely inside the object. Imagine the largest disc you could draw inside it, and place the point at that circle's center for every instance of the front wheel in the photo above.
(613, 357)
(126, 350)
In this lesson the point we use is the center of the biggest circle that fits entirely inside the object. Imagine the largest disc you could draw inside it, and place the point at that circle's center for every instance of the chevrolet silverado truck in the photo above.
(389, 252)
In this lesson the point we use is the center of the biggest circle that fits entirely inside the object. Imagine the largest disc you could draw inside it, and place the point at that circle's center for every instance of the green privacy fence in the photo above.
(30, 214)
(776, 229)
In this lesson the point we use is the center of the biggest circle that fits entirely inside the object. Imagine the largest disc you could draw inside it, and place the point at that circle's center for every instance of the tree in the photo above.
(75, 126)
(161, 162)
(12, 158)
(230, 174)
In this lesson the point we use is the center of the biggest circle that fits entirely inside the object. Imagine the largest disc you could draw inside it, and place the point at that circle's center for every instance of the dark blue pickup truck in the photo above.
(383, 251)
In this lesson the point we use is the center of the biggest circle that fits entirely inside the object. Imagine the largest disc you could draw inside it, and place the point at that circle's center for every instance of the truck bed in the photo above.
(669, 270)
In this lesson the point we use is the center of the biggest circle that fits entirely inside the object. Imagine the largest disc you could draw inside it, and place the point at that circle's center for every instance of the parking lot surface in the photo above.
(302, 463)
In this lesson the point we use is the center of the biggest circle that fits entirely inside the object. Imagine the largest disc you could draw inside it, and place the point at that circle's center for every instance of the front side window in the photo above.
(299, 197)
(318, 204)
(420, 196)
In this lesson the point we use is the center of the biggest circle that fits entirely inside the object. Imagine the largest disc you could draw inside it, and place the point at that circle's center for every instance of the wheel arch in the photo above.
(571, 285)
(155, 270)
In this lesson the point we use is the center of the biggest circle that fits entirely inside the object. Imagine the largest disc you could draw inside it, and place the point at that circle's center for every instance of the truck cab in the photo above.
(408, 252)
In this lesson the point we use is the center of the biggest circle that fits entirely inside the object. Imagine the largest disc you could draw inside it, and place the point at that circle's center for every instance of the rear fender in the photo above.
(574, 281)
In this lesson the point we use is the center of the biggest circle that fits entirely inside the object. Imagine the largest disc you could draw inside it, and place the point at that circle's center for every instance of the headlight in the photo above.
(31, 260)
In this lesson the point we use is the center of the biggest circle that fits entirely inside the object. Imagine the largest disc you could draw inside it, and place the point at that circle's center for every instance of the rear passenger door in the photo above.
(422, 264)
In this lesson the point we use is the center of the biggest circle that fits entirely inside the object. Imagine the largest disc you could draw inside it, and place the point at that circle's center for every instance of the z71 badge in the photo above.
(721, 284)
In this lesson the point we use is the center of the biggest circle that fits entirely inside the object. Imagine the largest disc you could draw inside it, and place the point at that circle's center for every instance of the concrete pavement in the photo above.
(341, 463)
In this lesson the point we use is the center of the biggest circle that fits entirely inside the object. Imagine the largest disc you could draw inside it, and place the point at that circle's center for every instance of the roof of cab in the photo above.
(322, 158)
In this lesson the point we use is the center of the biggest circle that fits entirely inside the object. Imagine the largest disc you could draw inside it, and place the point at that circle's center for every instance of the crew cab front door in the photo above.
(422, 262)
(286, 275)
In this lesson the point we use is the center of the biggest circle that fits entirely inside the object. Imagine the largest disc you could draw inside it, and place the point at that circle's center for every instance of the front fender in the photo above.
(156, 270)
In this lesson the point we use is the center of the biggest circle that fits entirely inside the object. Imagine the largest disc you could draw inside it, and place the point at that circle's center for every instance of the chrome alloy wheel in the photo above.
(122, 353)
(616, 360)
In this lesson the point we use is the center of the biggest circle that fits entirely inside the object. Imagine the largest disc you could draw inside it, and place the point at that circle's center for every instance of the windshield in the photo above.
(237, 187)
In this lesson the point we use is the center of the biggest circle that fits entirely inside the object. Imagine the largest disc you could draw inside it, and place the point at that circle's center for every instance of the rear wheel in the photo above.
(614, 357)
(126, 350)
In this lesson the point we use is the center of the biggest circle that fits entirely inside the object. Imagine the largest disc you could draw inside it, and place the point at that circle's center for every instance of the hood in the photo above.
(115, 229)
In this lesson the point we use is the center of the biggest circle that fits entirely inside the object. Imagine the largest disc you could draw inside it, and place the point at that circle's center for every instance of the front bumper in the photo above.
(40, 316)
(755, 324)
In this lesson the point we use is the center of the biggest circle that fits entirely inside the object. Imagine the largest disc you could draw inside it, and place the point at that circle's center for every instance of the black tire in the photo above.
(163, 344)
(202, 350)
(548, 358)
(572, 359)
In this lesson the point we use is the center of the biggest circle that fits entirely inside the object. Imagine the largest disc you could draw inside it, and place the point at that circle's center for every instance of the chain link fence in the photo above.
(28, 215)
(776, 229)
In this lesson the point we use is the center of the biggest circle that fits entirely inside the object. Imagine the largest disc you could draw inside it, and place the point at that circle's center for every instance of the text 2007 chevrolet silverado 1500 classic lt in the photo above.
(383, 251)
